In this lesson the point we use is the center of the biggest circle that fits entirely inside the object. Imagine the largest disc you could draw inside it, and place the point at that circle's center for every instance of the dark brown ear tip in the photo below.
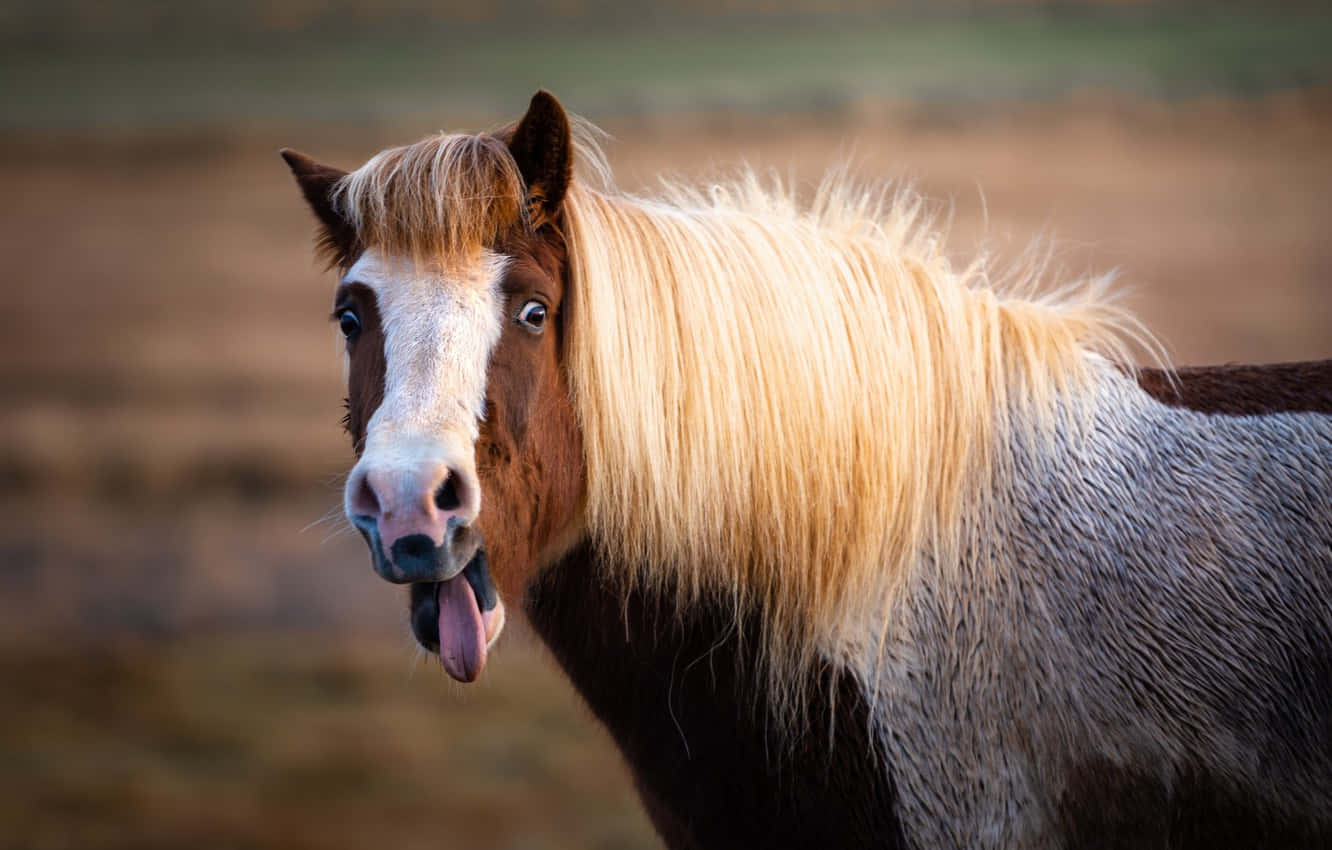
(543, 102)
(297, 161)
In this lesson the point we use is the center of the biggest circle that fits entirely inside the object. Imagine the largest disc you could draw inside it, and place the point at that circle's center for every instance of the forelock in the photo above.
(439, 201)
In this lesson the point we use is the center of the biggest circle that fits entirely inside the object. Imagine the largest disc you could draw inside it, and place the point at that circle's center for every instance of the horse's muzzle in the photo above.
(415, 557)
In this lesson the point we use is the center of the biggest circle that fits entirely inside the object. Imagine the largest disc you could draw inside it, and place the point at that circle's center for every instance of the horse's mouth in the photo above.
(459, 619)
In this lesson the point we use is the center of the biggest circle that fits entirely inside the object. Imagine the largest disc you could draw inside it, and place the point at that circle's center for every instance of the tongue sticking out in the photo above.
(462, 635)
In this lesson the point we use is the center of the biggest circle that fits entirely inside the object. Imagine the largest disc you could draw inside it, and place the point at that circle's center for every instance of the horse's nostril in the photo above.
(366, 502)
(446, 497)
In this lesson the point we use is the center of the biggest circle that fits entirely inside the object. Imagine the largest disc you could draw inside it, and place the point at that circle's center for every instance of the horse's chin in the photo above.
(459, 619)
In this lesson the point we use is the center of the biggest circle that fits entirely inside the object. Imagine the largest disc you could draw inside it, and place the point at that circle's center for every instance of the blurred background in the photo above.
(193, 651)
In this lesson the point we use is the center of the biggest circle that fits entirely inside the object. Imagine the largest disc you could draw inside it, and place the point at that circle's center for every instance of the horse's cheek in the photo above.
(495, 459)
(508, 507)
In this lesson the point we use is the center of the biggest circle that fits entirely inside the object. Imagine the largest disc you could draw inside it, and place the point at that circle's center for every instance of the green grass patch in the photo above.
(387, 74)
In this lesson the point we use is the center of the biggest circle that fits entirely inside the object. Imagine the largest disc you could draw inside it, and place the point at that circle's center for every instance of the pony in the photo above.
(847, 546)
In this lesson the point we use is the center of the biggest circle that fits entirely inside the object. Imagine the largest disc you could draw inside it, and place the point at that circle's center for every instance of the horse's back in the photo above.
(1244, 389)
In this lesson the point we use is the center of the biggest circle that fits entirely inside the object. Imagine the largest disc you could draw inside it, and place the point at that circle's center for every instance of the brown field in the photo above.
(187, 664)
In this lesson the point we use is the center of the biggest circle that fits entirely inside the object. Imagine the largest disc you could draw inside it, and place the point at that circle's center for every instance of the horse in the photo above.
(846, 545)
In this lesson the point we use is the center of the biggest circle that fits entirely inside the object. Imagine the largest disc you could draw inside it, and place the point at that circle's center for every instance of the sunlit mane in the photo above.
(441, 199)
(791, 403)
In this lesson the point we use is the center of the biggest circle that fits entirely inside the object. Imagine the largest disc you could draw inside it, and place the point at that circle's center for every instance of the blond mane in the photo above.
(440, 200)
(788, 404)
(793, 404)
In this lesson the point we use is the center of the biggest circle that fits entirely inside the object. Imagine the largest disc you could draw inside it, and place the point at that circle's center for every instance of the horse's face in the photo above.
(469, 471)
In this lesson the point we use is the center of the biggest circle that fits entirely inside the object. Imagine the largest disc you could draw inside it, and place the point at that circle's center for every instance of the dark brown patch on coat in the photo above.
(1108, 806)
(681, 694)
(365, 359)
(1245, 390)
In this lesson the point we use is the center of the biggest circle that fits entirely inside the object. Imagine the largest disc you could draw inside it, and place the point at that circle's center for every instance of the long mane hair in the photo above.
(791, 403)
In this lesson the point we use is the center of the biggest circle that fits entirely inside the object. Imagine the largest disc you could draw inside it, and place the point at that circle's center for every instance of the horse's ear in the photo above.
(541, 146)
(317, 182)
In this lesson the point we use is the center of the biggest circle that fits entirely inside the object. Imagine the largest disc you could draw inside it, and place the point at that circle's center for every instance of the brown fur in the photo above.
(1109, 806)
(530, 454)
(365, 360)
(1245, 390)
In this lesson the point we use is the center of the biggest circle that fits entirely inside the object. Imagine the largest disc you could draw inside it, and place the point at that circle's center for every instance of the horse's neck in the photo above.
(680, 694)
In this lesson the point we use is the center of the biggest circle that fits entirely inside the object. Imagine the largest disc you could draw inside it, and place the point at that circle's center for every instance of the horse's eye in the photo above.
(533, 316)
(348, 323)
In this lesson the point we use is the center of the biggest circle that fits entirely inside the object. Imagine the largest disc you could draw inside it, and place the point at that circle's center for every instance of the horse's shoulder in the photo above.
(680, 695)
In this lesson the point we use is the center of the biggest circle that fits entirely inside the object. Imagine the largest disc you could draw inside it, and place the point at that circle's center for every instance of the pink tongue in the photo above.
(462, 637)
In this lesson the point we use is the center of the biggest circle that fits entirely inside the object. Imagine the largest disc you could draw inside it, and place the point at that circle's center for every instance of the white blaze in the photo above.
(439, 328)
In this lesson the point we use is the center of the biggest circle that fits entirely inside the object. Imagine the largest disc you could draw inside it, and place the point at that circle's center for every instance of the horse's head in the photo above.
(453, 270)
